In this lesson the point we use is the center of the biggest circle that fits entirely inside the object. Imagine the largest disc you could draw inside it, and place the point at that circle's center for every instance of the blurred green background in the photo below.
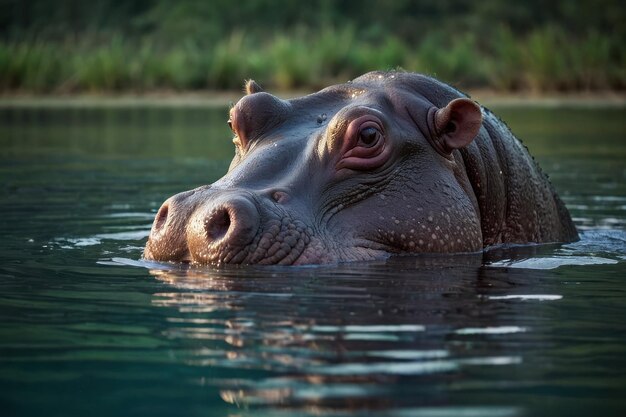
(144, 45)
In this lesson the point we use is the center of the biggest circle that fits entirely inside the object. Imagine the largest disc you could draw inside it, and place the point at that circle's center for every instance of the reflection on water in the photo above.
(87, 328)
(355, 337)
(340, 334)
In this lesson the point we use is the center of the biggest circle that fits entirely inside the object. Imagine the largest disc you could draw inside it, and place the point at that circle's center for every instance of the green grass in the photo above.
(547, 59)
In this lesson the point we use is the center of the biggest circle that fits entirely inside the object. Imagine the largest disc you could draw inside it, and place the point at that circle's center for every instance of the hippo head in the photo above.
(357, 171)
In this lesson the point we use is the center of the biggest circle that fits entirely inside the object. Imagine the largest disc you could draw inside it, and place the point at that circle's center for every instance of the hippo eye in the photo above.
(365, 146)
(369, 136)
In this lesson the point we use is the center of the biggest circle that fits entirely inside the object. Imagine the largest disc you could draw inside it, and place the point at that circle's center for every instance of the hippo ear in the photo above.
(457, 124)
(252, 87)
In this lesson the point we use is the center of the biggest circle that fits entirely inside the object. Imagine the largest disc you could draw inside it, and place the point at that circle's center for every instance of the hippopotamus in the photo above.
(389, 163)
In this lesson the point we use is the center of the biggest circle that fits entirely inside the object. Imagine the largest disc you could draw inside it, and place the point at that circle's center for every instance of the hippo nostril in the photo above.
(217, 224)
(280, 196)
(161, 217)
(220, 227)
(167, 241)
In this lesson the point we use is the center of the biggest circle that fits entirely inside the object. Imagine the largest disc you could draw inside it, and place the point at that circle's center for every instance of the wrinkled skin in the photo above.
(390, 163)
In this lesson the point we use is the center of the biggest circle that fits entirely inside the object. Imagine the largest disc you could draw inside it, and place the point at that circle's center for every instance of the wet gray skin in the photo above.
(390, 163)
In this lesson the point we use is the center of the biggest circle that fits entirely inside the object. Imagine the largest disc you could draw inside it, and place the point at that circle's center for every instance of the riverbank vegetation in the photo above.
(189, 45)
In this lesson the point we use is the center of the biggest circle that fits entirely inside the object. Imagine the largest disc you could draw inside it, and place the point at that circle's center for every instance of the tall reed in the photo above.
(546, 59)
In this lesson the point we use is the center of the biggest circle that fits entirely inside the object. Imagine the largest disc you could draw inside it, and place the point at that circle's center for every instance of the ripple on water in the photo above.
(79, 242)
(595, 247)
(491, 330)
(526, 297)
(553, 262)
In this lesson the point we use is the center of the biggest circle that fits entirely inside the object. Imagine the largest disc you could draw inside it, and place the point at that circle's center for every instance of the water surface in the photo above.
(86, 328)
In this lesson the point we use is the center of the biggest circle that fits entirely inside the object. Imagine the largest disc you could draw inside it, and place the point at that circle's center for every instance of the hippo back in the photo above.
(516, 199)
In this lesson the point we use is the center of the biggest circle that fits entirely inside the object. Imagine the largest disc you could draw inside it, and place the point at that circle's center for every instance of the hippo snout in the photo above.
(202, 227)
(222, 225)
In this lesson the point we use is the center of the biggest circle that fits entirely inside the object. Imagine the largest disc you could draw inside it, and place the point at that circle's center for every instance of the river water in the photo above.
(87, 328)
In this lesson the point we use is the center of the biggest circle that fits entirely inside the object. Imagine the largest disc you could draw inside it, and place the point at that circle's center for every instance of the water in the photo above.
(86, 328)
